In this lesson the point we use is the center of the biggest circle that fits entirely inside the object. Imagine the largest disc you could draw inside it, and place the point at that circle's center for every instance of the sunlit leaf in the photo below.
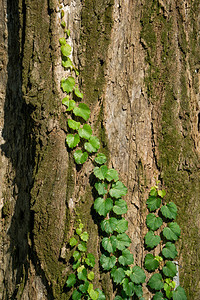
(126, 258)
(117, 274)
(85, 132)
(100, 158)
(80, 157)
(71, 280)
(107, 262)
(172, 232)
(153, 203)
(82, 111)
(169, 210)
(72, 140)
(169, 270)
(66, 49)
(68, 84)
(73, 124)
(103, 206)
(169, 251)
(92, 145)
(138, 276)
(153, 222)
(152, 240)
(120, 207)
(118, 190)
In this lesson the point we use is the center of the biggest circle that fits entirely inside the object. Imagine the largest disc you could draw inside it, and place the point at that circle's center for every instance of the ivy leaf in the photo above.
(101, 295)
(169, 211)
(138, 276)
(128, 287)
(153, 203)
(73, 242)
(153, 191)
(162, 193)
(92, 145)
(138, 291)
(101, 172)
(151, 240)
(109, 225)
(91, 276)
(82, 273)
(73, 124)
(100, 158)
(168, 290)
(112, 175)
(77, 264)
(71, 280)
(110, 244)
(78, 93)
(90, 260)
(120, 207)
(126, 258)
(150, 263)
(85, 132)
(76, 295)
(103, 206)
(159, 296)
(84, 287)
(84, 236)
(93, 294)
(62, 41)
(67, 63)
(123, 241)
(66, 49)
(117, 274)
(156, 282)
(121, 226)
(76, 255)
(153, 222)
(69, 103)
(172, 232)
(101, 188)
(68, 84)
(118, 190)
(82, 247)
(82, 111)
(72, 140)
(169, 270)
(80, 157)
(179, 294)
(107, 262)
(169, 251)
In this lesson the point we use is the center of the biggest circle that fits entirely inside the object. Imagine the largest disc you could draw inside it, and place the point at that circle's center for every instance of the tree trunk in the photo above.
(139, 72)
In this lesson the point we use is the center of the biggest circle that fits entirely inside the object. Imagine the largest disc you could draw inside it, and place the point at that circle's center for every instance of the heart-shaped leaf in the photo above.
(78, 93)
(82, 111)
(169, 270)
(100, 158)
(150, 263)
(73, 124)
(172, 232)
(128, 287)
(69, 103)
(68, 84)
(72, 140)
(92, 145)
(101, 172)
(110, 244)
(84, 236)
(71, 280)
(153, 203)
(120, 207)
(138, 276)
(153, 222)
(126, 258)
(62, 41)
(121, 226)
(103, 206)
(76, 255)
(90, 260)
(84, 287)
(159, 296)
(76, 295)
(112, 175)
(82, 247)
(179, 294)
(107, 262)
(73, 242)
(156, 282)
(118, 190)
(101, 188)
(169, 251)
(85, 132)
(109, 225)
(169, 210)
(80, 157)
(151, 240)
(123, 241)
(66, 49)
(117, 274)
(67, 63)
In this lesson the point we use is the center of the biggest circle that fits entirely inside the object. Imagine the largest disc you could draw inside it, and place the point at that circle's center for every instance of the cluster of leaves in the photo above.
(81, 134)
(116, 257)
(83, 263)
(159, 215)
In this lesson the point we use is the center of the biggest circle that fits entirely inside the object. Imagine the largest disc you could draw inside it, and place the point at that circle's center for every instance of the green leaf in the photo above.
(123, 241)
(82, 247)
(78, 93)
(68, 84)
(90, 260)
(67, 31)
(169, 211)
(73, 242)
(76, 255)
(67, 63)
(107, 262)
(122, 226)
(179, 294)
(158, 296)
(162, 193)
(63, 24)
(128, 287)
(93, 294)
(153, 203)
(82, 275)
(66, 50)
(101, 295)
(76, 295)
(84, 287)
(168, 291)
(151, 240)
(138, 291)
(100, 158)
(71, 280)
(62, 41)
(150, 263)
(78, 231)
(118, 298)
(172, 232)
(109, 225)
(169, 270)
(156, 282)
(112, 175)
(85, 132)
(69, 103)
(153, 222)
(126, 258)
(117, 274)
(138, 276)
(77, 264)
(92, 145)
(118, 190)
(103, 206)
(80, 157)
(169, 251)
(153, 191)
(101, 172)
(91, 276)
(84, 236)
(120, 207)
(73, 124)
(82, 111)
(101, 188)
(72, 140)
(110, 244)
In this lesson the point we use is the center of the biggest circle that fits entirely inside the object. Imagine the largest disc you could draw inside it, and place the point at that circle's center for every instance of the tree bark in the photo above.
(139, 71)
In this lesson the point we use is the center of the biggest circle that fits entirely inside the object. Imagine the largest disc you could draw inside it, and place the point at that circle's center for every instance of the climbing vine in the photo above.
(110, 206)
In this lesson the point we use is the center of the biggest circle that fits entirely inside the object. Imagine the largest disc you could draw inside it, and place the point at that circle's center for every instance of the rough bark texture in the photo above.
(139, 70)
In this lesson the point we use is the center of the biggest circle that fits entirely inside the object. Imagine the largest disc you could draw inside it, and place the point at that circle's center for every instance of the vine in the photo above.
(116, 257)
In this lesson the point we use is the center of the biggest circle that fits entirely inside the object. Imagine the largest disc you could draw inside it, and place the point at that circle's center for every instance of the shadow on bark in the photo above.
(19, 147)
